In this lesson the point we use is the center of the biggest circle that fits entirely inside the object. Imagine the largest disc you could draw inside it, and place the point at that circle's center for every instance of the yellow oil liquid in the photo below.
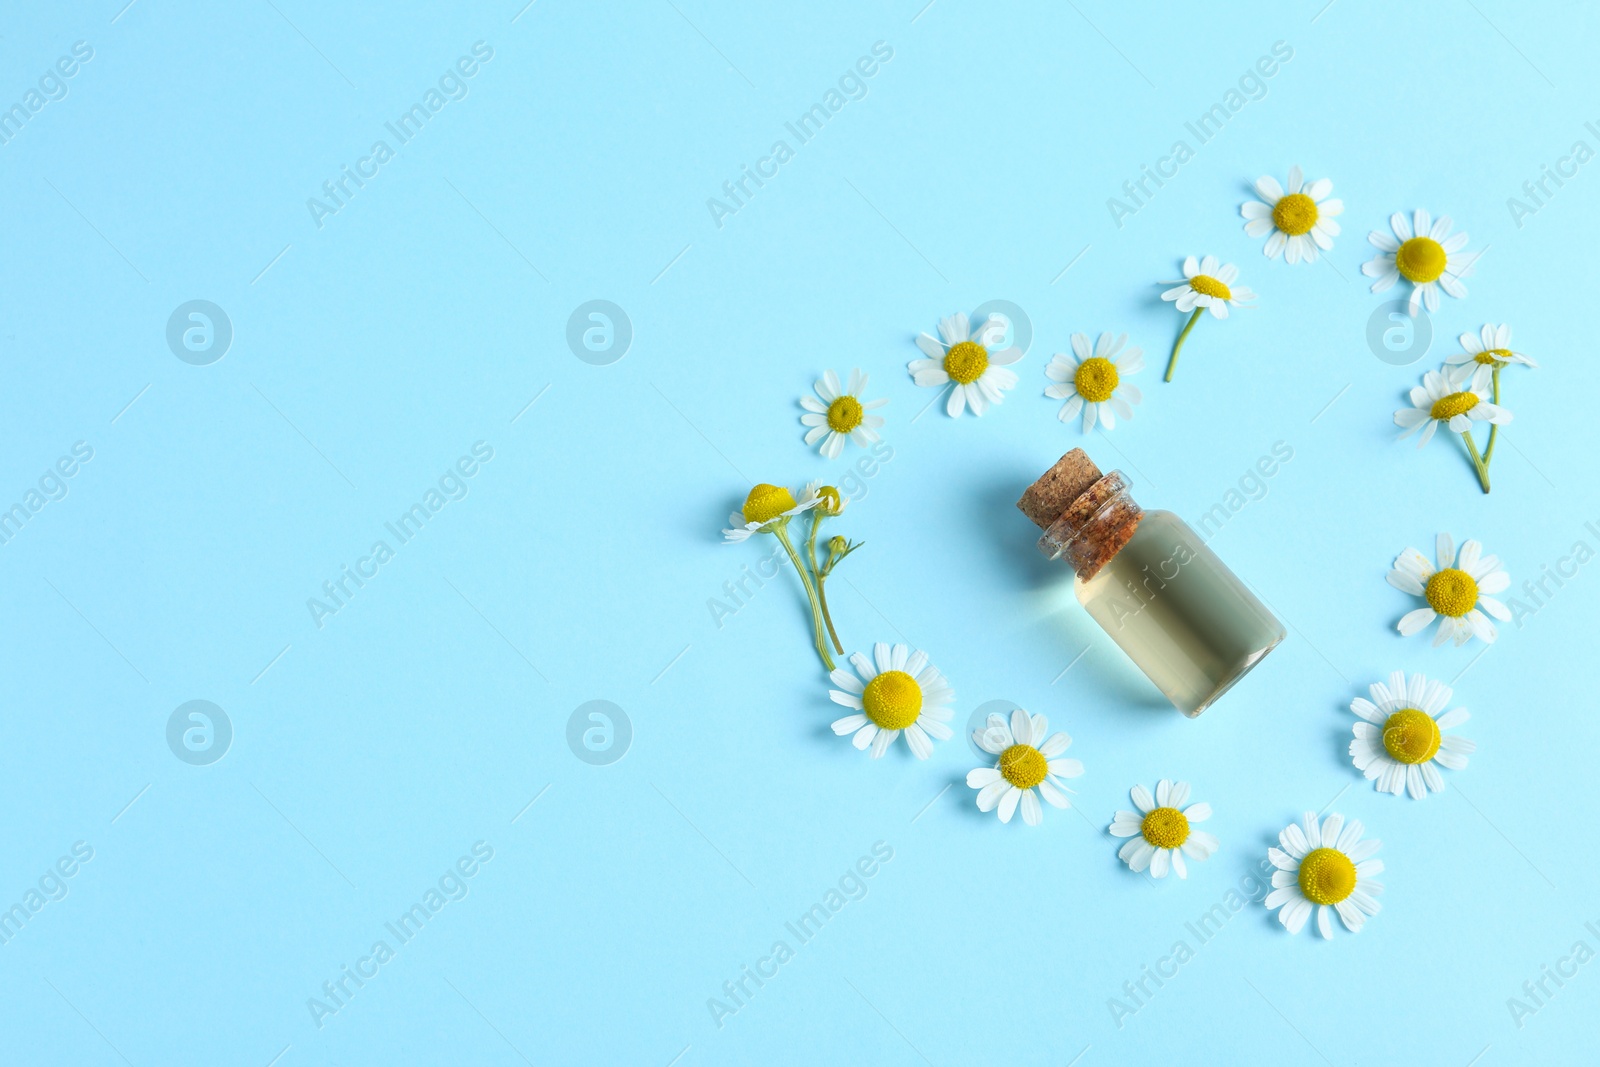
(1179, 613)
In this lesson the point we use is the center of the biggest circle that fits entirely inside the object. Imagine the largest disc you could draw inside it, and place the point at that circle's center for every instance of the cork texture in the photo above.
(1046, 499)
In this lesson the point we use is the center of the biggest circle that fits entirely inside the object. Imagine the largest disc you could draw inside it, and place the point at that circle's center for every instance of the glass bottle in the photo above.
(1151, 583)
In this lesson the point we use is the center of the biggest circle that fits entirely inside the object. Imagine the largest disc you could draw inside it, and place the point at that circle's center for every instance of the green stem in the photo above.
(1172, 364)
(782, 535)
(822, 577)
(822, 598)
(1488, 451)
(1482, 467)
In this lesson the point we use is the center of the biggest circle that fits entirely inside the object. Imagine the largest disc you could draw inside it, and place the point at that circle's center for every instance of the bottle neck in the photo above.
(1094, 527)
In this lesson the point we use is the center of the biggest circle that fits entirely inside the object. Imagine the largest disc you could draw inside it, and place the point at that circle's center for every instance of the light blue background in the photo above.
(425, 716)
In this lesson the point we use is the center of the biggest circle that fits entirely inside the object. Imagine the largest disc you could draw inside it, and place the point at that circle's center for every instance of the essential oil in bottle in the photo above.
(1148, 579)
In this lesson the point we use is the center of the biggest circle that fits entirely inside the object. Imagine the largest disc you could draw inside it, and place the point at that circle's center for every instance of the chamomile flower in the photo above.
(1327, 867)
(1400, 736)
(1208, 284)
(1300, 221)
(1424, 253)
(1092, 380)
(1160, 833)
(1029, 765)
(1455, 591)
(766, 509)
(1486, 352)
(840, 414)
(1447, 398)
(966, 356)
(897, 692)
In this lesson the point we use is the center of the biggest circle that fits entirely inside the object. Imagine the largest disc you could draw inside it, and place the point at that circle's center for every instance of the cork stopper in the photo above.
(1058, 487)
(1086, 516)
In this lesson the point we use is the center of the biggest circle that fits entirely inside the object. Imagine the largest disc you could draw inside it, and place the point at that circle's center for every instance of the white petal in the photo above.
(993, 740)
(1405, 581)
(1008, 803)
(1057, 799)
(1031, 813)
(954, 328)
(1160, 863)
(1021, 727)
(1065, 768)
(1054, 745)
(1281, 895)
(1415, 621)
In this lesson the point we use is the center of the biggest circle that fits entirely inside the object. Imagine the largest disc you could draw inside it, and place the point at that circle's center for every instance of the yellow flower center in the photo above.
(767, 502)
(1295, 214)
(1096, 379)
(832, 502)
(1451, 592)
(1327, 876)
(1493, 357)
(1165, 828)
(844, 414)
(1448, 407)
(1420, 259)
(1023, 766)
(1206, 285)
(892, 700)
(966, 362)
(1411, 736)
